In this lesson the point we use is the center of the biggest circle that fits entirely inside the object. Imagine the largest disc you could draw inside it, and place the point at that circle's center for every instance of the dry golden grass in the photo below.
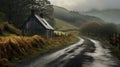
(16, 46)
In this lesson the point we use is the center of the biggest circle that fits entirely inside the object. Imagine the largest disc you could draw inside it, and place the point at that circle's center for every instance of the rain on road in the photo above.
(85, 53)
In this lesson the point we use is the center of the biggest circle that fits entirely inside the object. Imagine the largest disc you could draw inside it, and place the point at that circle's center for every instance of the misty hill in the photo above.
(63, 25)
(109, 15)
(73, 17)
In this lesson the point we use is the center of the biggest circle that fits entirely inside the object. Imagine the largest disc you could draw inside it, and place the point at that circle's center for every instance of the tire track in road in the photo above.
(69, 54)
(85, 53)
(46, 59)
(102, 56)
(81, 59)
(94, 55)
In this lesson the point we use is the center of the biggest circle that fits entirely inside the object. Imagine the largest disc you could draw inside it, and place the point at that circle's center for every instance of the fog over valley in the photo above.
(86, 5)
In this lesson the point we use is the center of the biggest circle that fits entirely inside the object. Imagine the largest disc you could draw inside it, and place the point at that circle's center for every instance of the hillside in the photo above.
(63, 25)
(7, 29)
(109, 15)
(73, 17)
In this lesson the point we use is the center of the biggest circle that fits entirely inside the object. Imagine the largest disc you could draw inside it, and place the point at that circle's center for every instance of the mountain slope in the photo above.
(73, 17)
(109, 15)
(62, 25)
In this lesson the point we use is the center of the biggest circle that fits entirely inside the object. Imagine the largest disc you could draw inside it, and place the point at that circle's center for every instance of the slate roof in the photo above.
(44, 22)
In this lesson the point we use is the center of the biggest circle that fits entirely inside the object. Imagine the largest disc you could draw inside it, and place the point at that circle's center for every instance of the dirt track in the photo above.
(85, 53)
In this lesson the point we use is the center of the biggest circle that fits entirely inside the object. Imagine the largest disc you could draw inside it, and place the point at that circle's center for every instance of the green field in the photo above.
(61, 25)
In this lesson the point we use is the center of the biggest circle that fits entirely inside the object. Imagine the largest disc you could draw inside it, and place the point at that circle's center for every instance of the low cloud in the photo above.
(85, 5)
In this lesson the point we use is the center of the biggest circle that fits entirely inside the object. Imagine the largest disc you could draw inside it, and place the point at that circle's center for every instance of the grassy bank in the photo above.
(113, 42)
(115, 49)
(16, 48)
(7, 29)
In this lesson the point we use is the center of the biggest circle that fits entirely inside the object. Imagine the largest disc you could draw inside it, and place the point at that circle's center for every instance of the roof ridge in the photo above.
(44, 22)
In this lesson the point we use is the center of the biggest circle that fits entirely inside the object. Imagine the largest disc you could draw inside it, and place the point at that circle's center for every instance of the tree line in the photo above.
(17, 11)
(98, 29)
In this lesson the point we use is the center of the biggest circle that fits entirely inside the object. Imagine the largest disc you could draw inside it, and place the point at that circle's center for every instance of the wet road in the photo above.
(85, 53)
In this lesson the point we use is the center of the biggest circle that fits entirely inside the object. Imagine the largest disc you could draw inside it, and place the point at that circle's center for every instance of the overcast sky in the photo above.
(85, 5)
